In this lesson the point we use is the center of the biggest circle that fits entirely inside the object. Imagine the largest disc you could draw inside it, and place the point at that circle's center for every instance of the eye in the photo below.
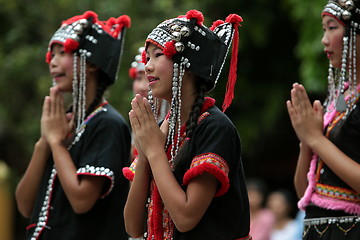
(159, 54)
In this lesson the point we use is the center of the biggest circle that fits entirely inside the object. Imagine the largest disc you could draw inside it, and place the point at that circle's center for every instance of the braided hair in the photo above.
(191, 124)
(102, 86)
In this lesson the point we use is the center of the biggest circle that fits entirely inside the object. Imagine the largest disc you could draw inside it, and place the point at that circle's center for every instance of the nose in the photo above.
(53, 62)
(149, 67)
(325, 39)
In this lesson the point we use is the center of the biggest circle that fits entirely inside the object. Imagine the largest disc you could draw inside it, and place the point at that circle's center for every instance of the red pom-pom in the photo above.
(234, 19)
(216, 24)
(70, 45)
(169, 49)
(132, 73)
(90, 14)
(86, 15)
(111, 21)
(48, 57)
(143, 57)
(125, 20)
(197, 15)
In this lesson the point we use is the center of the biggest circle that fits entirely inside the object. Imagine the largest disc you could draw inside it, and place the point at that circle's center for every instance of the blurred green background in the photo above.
(279, 45)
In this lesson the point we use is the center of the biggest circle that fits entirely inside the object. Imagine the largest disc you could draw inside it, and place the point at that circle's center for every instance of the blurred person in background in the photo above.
(281, 202)
(261, 218)
(327, 176)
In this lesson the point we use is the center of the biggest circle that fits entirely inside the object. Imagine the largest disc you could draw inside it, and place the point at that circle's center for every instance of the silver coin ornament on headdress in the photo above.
(201, 50)
(94, 41)
(347, 12)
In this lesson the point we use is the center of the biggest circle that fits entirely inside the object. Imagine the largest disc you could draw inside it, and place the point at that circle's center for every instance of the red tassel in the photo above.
(230, 86)
(157, 215)
(197, 15)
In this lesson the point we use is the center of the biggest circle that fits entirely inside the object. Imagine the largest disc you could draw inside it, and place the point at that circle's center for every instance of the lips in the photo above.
(54, 74)
(328, 53)
(152, 79)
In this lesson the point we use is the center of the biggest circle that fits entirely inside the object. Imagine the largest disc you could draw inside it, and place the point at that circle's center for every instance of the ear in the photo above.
(91, 67)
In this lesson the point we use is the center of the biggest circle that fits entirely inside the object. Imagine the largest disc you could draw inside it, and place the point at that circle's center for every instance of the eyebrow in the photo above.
(329, 21)
(156, 48)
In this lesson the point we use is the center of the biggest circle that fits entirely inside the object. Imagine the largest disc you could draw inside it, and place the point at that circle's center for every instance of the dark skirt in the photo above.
(337, 227)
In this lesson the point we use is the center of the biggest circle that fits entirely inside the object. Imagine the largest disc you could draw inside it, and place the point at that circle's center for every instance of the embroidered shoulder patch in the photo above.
(203, 116)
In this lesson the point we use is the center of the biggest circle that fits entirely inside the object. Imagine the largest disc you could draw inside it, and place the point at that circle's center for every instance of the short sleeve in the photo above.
(217, 148)
(104, 150)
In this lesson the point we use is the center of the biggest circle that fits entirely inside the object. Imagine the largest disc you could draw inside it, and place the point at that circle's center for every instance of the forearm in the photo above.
(343, 166)
(186, 208)
(135, 207)
(303, 164)
(83, 192)
(28, 186)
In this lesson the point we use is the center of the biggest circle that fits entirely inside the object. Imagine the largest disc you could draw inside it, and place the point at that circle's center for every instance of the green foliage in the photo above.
(308, 50)
(279, 45)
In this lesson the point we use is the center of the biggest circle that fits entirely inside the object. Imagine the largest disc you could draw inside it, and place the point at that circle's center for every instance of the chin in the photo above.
(336, 64)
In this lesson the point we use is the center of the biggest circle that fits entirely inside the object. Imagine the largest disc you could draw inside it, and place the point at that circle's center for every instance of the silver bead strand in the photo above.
(75, 91)
(343, 63)
(181, 74)
(83, 86)
(173, 113)
(331, 88)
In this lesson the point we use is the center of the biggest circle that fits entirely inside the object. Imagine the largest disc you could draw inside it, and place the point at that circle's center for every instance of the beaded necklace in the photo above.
(82, 127)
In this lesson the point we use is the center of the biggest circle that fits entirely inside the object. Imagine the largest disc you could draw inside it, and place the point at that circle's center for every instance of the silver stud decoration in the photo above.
(185, 31)
(344, 79)
(349, 5)
(179, 46)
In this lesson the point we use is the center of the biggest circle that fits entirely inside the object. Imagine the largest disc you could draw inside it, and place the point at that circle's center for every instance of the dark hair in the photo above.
(191, 123)
(260, 186)
(101, 88)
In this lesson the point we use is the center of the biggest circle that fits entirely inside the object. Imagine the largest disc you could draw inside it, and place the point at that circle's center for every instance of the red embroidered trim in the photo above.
(213, 164)
(337, 193)
(203, 116)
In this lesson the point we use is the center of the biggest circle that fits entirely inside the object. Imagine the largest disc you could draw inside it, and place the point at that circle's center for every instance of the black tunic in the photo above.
(103, 150)
(216, 149)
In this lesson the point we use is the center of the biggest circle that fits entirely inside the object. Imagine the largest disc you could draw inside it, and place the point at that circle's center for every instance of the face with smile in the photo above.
(159, 72)
(61, 67)
(333, 40)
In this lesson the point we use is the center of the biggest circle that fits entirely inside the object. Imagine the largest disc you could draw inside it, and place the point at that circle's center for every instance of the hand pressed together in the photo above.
(148, 136)
(55, 123)
(306, 119)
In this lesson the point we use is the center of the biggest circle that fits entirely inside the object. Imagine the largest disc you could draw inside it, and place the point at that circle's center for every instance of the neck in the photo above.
(188, 97)
(91, 88)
